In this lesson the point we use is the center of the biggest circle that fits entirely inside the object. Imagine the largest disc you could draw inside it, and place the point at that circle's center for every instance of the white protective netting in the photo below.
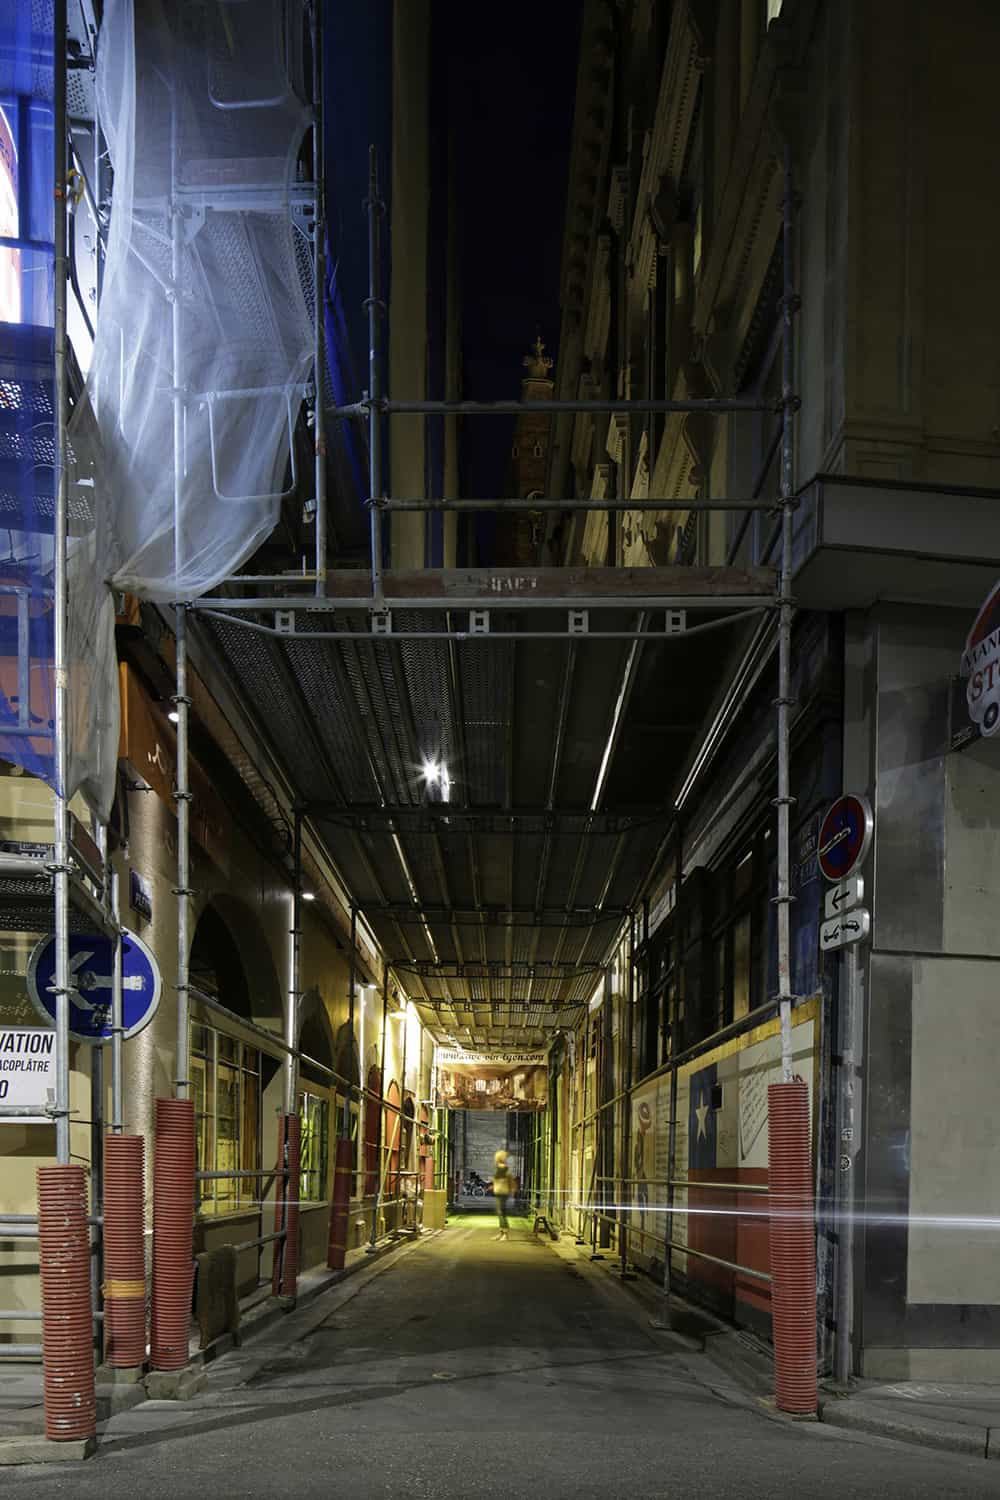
(203, 106)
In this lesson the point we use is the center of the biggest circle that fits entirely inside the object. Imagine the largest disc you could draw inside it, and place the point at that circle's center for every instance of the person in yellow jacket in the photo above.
(503, 1186)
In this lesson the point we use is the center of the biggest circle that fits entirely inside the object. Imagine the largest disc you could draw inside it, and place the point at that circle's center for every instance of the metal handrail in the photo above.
(717, 1260)
(685, 1182)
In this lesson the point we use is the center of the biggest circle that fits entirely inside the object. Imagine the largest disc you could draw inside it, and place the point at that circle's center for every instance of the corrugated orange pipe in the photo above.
(173, 1233)
(67, 1314)
(793, 1247)
(124, 1254)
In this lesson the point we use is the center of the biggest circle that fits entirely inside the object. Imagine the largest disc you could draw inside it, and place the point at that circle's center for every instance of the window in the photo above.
(353, 1135)
(225, 1087)
(314, 1112)
(739, 936)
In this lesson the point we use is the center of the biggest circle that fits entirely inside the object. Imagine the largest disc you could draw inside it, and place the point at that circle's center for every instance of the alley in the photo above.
(465, 1367)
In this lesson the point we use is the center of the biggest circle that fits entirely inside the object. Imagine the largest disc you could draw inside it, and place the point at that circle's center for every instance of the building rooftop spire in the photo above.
(537, 362)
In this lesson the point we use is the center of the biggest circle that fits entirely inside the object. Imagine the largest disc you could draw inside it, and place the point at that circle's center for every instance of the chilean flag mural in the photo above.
(726, 1119)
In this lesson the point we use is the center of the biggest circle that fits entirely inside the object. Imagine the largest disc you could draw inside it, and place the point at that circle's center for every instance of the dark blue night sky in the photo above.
(511, 82)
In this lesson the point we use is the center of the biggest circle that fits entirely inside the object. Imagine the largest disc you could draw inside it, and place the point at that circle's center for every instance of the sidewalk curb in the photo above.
(31, 1447)
(952, 1437)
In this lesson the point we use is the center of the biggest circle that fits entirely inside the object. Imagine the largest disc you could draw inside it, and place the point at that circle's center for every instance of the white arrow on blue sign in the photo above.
(91, 967)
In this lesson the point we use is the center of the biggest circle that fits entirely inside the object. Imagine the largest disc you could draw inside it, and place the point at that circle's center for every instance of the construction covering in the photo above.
(181, 449)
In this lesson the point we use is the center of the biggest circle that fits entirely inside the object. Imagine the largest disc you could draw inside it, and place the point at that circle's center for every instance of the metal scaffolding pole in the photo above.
(181, 701)
(373, 407)
(599, 506)
(117, 1022)
(351, 987)
(60, 666)
(319, 277)
(294, 969)
(381, 1111)
(719, 406)
(784, 800)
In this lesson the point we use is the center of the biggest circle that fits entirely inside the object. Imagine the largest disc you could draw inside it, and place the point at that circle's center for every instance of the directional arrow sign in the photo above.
(842, 931)
(844, 895)
(91, 967)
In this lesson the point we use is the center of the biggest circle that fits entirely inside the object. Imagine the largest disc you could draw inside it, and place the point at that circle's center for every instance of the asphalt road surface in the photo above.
(462, 1367)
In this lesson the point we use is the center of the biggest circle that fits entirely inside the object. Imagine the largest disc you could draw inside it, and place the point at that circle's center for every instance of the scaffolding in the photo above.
(376, 605)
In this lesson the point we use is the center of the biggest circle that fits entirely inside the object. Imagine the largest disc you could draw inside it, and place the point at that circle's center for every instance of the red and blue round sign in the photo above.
(845, 836)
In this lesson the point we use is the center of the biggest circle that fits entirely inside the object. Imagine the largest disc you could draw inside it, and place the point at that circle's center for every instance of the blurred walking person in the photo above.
(503, 1187)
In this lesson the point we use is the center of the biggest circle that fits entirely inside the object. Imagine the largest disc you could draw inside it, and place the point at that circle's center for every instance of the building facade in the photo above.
(366, 1060)
(687, 117)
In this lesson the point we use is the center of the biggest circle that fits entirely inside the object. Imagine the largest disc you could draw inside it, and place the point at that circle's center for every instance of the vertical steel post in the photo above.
(404, 1166)
(381, 1111)
(117, 1021)
(848, 1135)
(376, 310)
(790, 1178)
(97, 1191)
(181, 701)
(784, 798)
(60, 668)
(352, 975)
(580, 1235)
(319, 275)
(294, 975)
(668, 1232)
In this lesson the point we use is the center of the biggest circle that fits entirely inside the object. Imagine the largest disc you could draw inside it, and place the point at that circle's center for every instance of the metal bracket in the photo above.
(579, 622)
(284, 621)
(381, 621)
(479, 622)
(675, 621)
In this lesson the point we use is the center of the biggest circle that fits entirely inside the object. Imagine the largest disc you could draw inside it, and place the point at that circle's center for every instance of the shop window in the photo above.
(314, 1112)
(225, 1087)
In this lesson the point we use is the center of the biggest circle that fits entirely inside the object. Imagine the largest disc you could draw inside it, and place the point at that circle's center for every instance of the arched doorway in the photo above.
(235, 1083)
(392, 1127)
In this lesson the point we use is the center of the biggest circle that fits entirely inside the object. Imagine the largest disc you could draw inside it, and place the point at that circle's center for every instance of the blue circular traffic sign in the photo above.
(91, 970)
(844, 837)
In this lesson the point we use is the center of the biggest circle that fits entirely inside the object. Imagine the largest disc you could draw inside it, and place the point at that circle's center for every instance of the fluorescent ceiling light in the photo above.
(309, 895)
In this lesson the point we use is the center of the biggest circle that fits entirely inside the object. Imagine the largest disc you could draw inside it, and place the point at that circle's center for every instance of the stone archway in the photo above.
(230, 961)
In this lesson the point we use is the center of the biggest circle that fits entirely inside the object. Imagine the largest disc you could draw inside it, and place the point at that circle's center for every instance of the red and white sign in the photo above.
(981, 665)
(844, 837)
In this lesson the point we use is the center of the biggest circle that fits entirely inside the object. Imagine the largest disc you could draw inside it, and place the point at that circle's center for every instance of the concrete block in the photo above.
(113, 1398)
(31, 1448)
(112, 1375)
(175, 1385)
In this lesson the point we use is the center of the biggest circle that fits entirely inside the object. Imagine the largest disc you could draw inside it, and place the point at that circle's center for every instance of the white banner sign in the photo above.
(448, 1057)
(27, 1068)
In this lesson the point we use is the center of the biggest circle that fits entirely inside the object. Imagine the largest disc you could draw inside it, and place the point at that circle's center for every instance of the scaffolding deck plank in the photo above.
(494, 585)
